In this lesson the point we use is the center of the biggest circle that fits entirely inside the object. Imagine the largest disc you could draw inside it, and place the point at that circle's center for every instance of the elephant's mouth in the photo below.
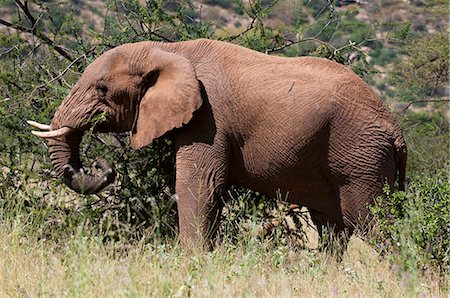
(64, 144)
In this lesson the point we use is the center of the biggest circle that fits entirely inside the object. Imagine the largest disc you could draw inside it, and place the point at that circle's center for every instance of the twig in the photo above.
(76, 61)
(422, 101)
(293, 42)
(8, 51)
(14, 84)
(32, 31)
(323, 9)
(161, 36)
(249, 27)
(24, 7)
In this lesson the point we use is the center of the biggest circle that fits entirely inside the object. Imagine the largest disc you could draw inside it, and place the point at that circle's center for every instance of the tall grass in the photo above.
(86, 266)
(46, 252)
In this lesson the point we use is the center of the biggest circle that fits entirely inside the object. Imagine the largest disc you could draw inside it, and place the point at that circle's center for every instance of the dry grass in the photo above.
(86, 267)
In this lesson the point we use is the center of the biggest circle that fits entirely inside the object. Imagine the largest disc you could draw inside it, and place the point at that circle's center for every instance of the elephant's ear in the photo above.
(171, 97)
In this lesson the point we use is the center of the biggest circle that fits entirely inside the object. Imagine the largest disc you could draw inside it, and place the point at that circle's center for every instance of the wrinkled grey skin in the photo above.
(306, 126)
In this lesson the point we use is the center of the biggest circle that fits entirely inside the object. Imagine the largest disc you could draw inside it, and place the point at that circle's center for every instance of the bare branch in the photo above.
(293, 42)
(249, 27)
(35, 33)
(76, 61)
(8, 51)
(26, 11)
(422, 101)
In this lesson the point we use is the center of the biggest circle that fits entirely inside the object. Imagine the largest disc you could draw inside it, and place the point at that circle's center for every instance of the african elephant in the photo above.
(308, 127)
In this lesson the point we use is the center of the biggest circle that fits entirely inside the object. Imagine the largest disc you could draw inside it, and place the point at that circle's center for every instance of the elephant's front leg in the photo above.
(200, 186)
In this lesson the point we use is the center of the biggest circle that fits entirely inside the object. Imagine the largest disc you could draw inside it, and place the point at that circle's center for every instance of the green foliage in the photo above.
(427, 138)
(414, 228)
(426, 66)
(156, 20)
(143, 201)
(383, 55)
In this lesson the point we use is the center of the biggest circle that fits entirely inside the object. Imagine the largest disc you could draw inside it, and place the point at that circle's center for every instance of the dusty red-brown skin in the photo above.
(306, 126)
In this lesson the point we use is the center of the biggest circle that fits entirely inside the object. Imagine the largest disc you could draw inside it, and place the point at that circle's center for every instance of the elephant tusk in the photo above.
(52, 134)
(39, 125)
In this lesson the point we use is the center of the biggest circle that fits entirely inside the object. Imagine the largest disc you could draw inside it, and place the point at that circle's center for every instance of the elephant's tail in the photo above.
(400, 159)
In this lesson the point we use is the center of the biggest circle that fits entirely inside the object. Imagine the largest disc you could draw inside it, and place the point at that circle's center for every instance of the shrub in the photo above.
(413, 228)
(426, 134)
(427, 63)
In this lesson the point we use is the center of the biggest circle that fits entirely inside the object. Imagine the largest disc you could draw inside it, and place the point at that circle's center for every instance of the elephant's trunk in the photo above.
(65, 157)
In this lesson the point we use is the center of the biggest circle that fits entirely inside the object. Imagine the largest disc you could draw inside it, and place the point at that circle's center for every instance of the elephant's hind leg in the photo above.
(333, 234)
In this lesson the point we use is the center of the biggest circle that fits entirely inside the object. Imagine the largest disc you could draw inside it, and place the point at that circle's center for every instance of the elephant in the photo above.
(304, 126)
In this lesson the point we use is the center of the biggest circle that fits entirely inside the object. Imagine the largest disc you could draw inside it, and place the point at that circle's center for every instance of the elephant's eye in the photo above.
(101, 89)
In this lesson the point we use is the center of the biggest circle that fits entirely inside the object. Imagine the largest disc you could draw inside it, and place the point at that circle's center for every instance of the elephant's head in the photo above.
(140, 88)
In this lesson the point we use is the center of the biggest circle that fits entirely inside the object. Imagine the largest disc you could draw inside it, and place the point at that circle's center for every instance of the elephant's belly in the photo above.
(300, 170)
